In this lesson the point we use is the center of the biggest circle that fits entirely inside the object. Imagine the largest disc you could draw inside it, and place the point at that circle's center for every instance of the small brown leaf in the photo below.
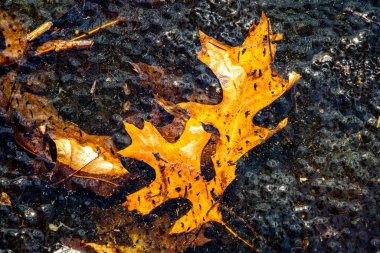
(80, 159)
(5, 200)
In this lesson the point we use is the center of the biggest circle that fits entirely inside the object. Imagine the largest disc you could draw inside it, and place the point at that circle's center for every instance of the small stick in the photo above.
(40, 30)
(75, 43)
(362, 16)
(93, 87)
(62, 45)
(97, 29)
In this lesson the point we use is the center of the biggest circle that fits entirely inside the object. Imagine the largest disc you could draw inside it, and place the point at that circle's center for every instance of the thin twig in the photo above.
(363, 16)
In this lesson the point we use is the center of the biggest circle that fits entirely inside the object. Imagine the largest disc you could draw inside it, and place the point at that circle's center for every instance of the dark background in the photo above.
(331, 138)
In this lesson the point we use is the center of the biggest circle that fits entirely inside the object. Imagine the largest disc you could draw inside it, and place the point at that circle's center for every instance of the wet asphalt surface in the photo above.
(314, 187)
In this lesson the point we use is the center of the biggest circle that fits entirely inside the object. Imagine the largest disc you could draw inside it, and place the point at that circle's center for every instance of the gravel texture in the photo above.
(314, 187)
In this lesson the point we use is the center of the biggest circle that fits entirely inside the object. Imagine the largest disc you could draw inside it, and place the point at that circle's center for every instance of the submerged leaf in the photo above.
(122, 233)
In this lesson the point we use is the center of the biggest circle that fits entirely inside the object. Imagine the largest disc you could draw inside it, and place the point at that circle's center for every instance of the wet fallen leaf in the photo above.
(249, 85)
(14, 33)
(157, 80)
(5, 200)
(122, 233)
(81, 159)
(16, 39)
(178, 173)
(169, 86)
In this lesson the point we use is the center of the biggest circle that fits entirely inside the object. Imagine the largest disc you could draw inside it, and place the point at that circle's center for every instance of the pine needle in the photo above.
(98, 29)
(238, 237)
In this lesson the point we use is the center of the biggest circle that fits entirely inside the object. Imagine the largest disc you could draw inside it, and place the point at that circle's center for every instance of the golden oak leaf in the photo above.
(178, 173)
(249, 85)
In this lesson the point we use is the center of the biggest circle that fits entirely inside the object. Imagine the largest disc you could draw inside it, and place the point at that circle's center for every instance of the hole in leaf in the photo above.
(2, 42)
